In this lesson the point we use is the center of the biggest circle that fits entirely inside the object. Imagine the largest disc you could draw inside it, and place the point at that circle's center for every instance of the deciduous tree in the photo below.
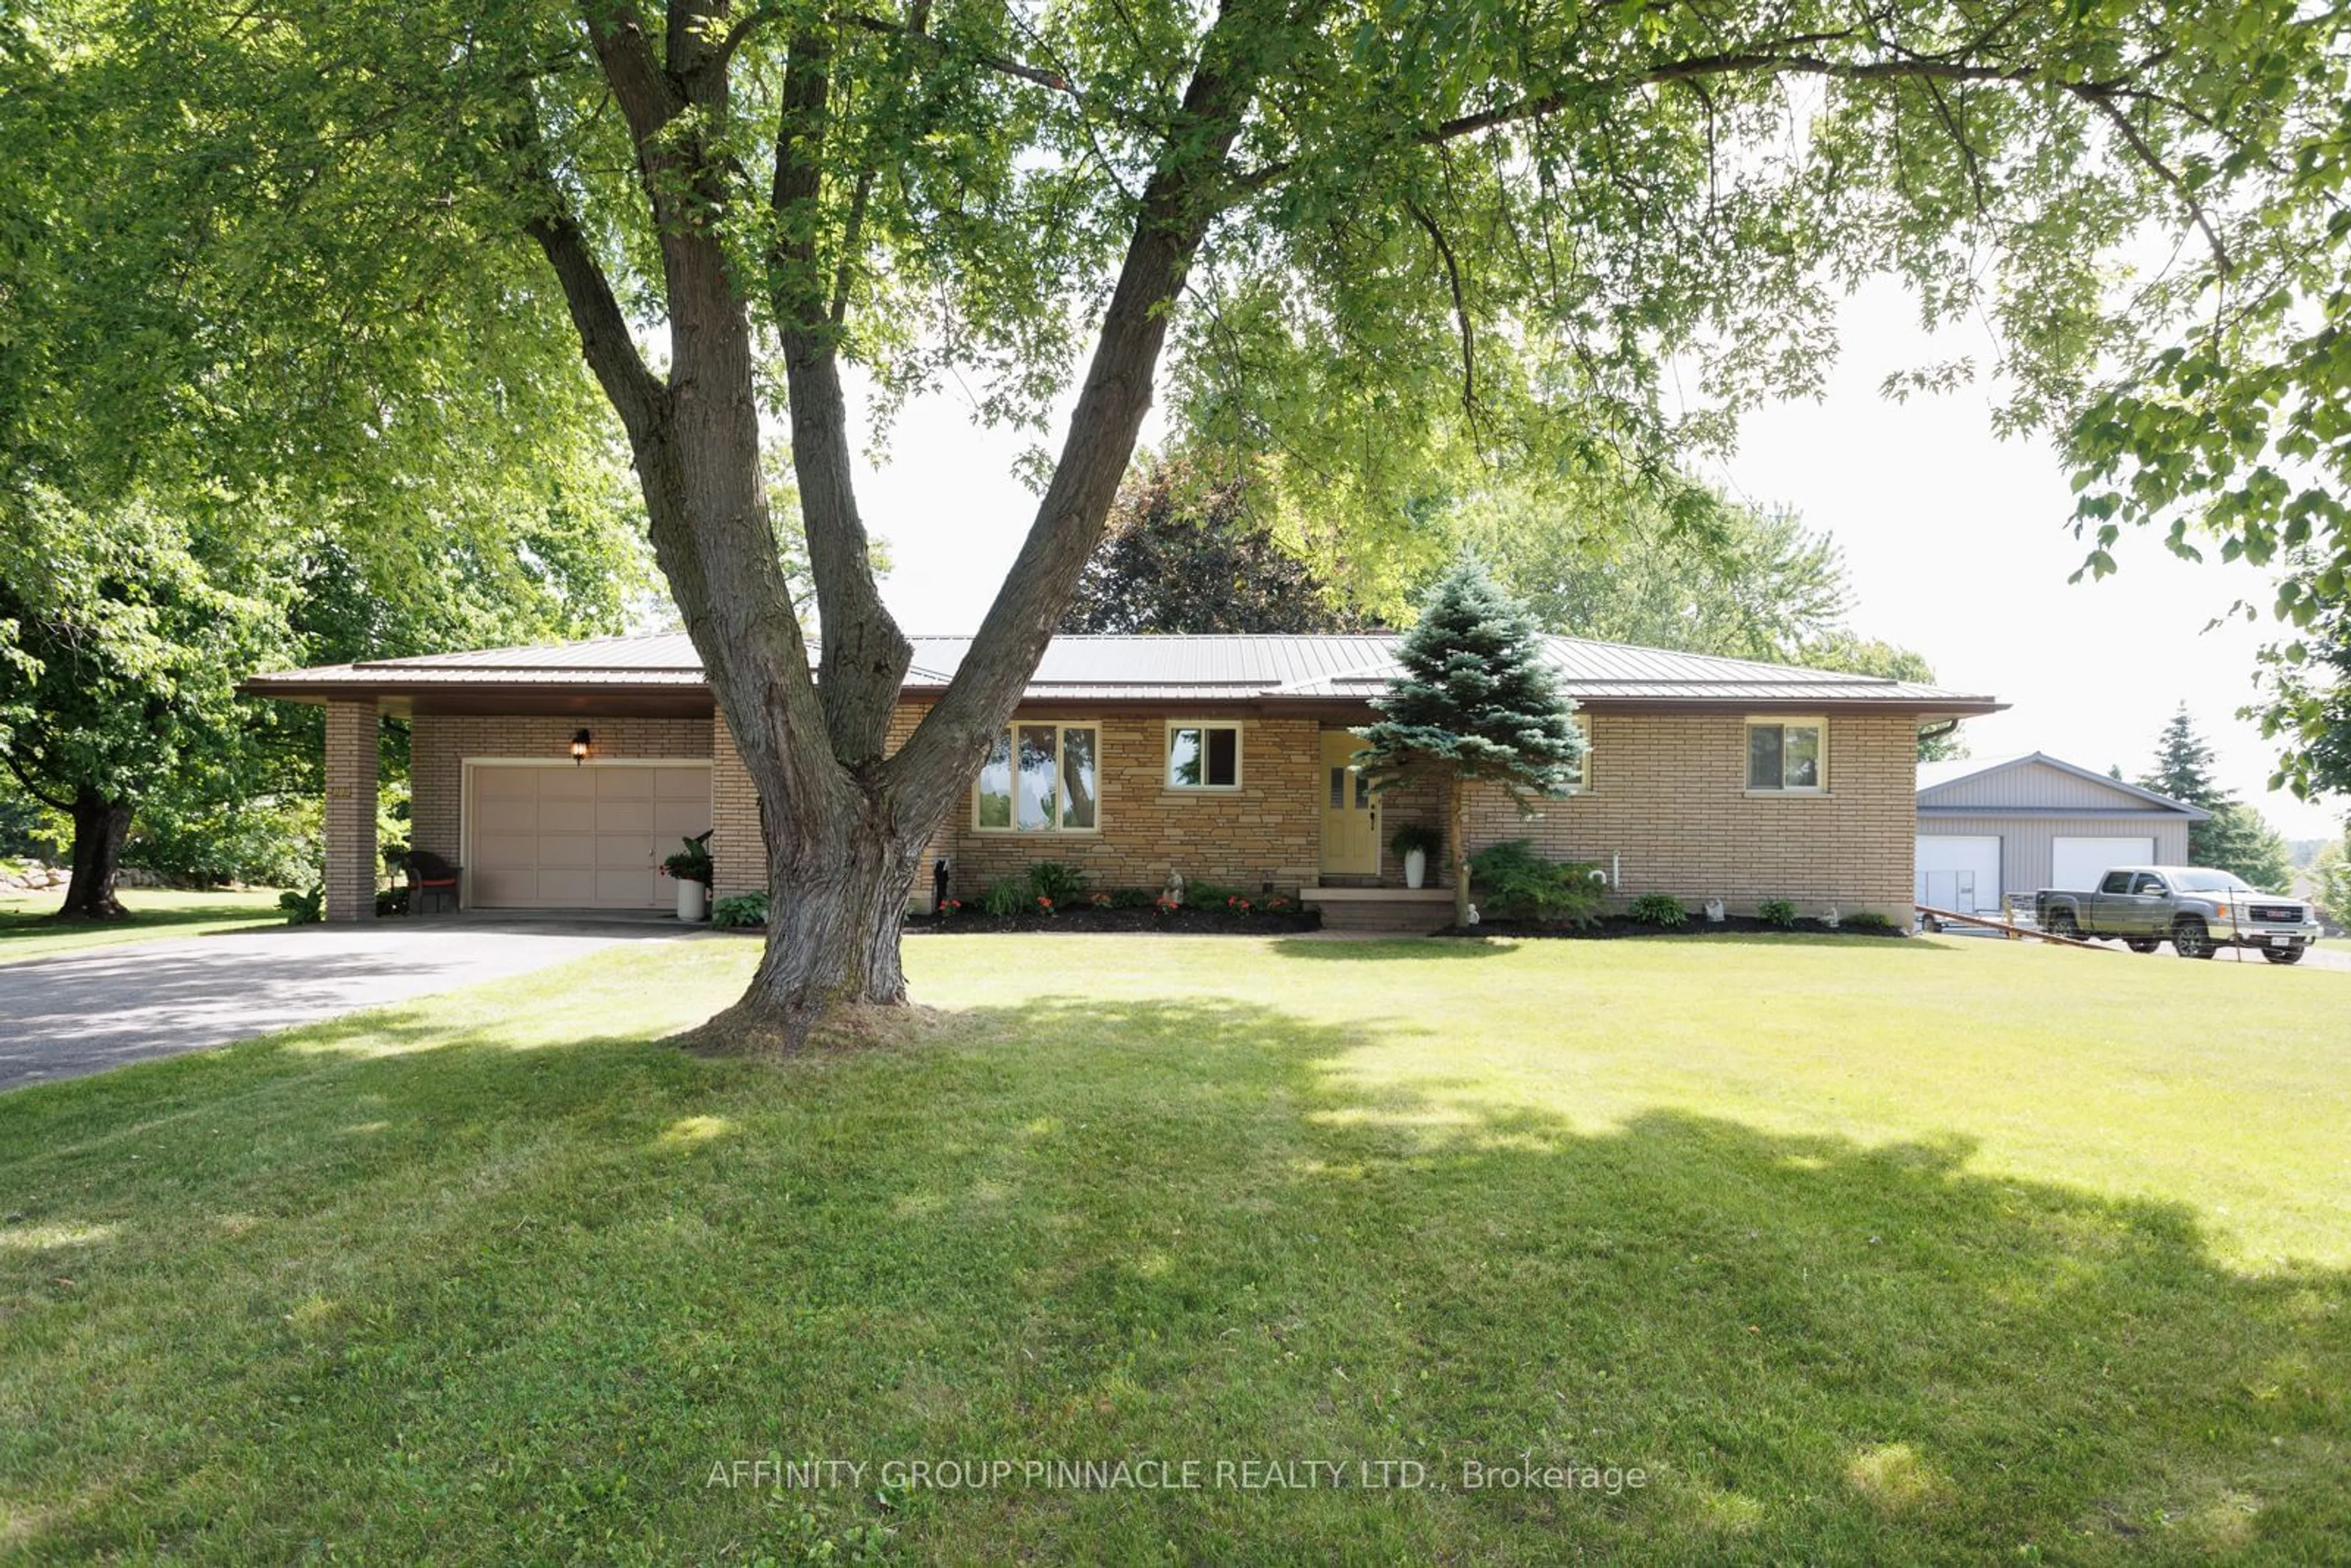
(1355, 224)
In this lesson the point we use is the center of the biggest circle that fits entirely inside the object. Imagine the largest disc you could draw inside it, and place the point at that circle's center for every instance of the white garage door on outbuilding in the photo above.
(2056, 823)
(2077, 864)
(1959, 872)
(573, 836)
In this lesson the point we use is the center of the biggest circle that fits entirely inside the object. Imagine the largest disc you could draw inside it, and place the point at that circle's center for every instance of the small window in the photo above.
(1579, 770)
(1204, 757)
(1790, 757)
(1040, 778)
(2117, 882)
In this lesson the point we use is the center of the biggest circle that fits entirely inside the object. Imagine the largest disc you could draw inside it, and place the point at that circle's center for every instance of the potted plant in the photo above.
(690, 868)
(1413, 843)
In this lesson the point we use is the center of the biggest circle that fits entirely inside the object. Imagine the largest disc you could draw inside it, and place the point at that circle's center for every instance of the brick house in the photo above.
(558, 777)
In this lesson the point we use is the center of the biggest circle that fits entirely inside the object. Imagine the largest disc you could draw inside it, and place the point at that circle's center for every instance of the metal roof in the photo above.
(1936, 776)
(1346, 668)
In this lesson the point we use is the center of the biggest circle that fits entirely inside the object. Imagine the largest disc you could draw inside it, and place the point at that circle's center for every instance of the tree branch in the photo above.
(864, 656)
(1460, 309)
(637, 394)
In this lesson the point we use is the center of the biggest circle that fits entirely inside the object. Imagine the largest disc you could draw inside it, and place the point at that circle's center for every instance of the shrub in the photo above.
(1779, 912)
(1005, 897)
(1208, 895)
(691, 863)
(1512, 881)
(745, 909)
(1134, 897)
(1869, 920)
(1060, 883)
(1659, 909)
(1415, 836)
(392, 901)
(305, 908)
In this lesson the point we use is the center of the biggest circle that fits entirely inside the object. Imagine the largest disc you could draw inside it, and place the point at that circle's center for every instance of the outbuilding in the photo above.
(2016, 824)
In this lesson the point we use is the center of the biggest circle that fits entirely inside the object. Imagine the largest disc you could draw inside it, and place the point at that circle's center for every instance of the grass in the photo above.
(1921, 1252)
(27, 930)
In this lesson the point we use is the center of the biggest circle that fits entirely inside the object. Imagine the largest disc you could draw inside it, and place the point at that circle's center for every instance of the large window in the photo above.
(1041, 779)
(1787, 755)
(1204, 757)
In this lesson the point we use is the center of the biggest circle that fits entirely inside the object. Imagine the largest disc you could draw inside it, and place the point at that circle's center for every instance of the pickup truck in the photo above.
(2196, 910)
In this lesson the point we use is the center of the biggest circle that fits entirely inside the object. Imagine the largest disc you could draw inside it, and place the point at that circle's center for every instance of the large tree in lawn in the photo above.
(210, 460)
(1356, 223)
(1475, 703)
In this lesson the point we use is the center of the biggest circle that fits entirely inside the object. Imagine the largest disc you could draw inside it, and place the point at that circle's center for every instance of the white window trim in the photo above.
(1057, 831)
(1785, 721)
(1240, 757)
(1582, 785)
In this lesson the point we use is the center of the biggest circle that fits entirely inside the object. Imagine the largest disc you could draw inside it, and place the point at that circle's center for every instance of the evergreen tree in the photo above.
(2183, 765)
(2235, 837)
(1476, 701)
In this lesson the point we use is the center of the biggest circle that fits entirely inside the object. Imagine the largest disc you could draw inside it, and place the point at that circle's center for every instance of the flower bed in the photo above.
(1609, 926)
(1263, 915)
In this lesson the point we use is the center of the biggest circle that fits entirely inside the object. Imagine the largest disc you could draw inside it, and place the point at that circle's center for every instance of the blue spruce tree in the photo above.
(1476, 701)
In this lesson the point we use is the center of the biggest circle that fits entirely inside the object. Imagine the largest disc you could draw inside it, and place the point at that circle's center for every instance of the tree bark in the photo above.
(845, 828)
(1460, 836)
(99, 827)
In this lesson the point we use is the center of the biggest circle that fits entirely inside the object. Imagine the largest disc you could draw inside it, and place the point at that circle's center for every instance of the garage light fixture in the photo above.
(579, 739)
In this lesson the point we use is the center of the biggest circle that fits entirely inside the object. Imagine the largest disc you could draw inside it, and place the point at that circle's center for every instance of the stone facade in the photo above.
(1667, 801)
(1267, 831)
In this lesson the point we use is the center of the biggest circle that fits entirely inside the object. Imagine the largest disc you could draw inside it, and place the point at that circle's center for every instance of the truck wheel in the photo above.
(2062, 923)
(2283, 954)
(2190, 940)
(2145, 944)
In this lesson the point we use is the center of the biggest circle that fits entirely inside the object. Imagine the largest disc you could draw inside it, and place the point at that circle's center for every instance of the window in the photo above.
(2117, 882)
(1787, 755)
(1581, 770)
(2147, 881)
(1040, 778)
(1204, 757)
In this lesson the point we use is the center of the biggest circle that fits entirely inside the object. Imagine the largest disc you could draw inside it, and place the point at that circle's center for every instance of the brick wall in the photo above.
(1668, 794)
(439, 744)
(351, 765)
(1268, 830)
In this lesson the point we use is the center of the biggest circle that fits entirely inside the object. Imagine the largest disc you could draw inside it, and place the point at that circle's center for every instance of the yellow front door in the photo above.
(1350, 818)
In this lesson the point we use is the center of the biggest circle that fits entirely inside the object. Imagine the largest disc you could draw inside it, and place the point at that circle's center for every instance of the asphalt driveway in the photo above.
(85, 1012)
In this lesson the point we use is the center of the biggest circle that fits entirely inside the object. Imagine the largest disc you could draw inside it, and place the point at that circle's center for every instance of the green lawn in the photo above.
(1863, 1251)
(28, 932)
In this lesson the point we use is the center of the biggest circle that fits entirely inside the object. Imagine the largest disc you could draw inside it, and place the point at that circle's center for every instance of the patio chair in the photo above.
(429, 877)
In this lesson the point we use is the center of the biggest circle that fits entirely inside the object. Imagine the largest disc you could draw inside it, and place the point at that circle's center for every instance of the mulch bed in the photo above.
(1614, 926)
(1087, 918)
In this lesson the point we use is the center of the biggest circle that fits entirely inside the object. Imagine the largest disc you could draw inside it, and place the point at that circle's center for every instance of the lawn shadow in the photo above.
(1086, 1228)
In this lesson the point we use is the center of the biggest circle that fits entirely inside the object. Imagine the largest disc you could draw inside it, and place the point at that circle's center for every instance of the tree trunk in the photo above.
(99, 827)
(845, 827)
(1460, 836)
(838, 883)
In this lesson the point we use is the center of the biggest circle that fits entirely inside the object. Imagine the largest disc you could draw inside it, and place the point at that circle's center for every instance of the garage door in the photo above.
(571, 836)
(1958, 874)
(2076, 864)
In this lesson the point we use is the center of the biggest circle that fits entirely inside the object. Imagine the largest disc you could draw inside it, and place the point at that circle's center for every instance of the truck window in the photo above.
(2117, 882)
(2147, 882)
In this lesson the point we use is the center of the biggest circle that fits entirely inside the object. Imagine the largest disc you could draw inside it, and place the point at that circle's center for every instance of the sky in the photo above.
(1956, 542)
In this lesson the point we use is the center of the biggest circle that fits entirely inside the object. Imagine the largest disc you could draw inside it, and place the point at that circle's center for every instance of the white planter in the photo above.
(692, 899)
(1416, 868)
